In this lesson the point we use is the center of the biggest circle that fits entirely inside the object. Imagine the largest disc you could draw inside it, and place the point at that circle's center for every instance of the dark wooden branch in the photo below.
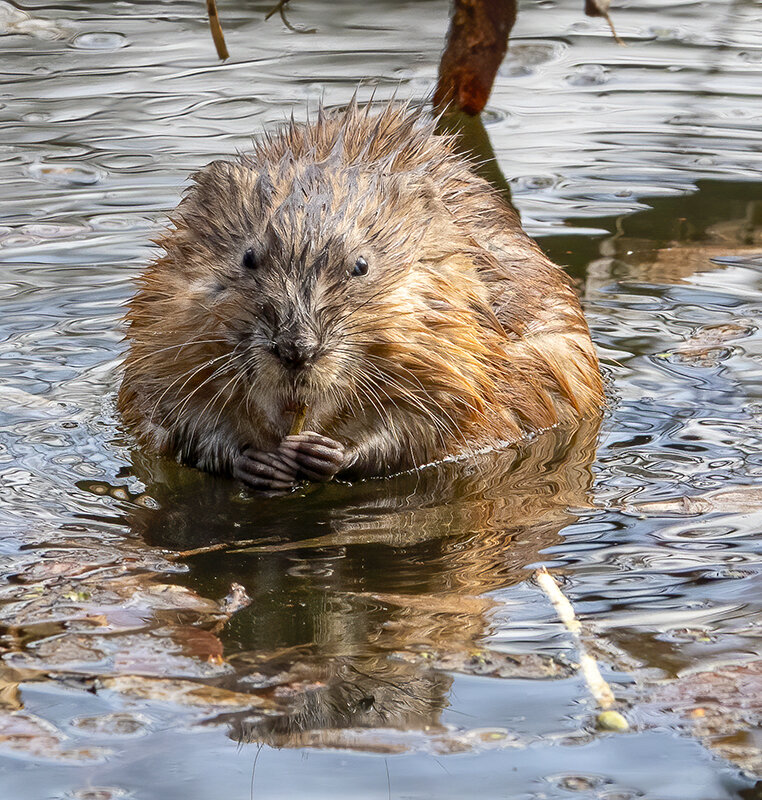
(476, 44)
(217, 35)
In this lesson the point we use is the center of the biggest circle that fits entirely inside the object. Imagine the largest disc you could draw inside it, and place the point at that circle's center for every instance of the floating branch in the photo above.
(241, 546)
(217, 35)
(608, 719)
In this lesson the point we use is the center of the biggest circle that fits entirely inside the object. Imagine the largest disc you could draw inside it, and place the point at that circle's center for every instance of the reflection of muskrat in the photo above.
(358, 267)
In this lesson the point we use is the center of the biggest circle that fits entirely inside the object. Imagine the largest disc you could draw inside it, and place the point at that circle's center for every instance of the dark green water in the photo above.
(395, 644)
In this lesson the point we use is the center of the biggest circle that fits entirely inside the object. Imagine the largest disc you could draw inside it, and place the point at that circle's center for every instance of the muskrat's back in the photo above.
(359, 268)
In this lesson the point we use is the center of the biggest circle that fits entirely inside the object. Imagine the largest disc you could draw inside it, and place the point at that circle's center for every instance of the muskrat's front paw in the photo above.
(313, 456)
(262, 470)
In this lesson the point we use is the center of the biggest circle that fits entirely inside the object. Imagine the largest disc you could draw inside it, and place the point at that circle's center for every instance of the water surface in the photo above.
(387, 639)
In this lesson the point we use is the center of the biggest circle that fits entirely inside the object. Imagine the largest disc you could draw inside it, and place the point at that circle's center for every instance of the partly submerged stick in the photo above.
(217, 35)
(601, 691)
(600, 8)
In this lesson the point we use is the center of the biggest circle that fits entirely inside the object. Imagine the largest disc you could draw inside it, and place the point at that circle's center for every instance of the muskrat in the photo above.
(356, 266)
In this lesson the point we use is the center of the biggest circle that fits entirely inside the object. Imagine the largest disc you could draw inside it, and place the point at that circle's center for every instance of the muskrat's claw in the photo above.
(312, 456)
(262, 470)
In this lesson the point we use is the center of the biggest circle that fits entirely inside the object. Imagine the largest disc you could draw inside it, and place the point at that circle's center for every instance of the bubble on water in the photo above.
(116, 724)
(146, 501)
(99, 41)
(99, 793)
(51, 230)
(494, 116)
(750, 56)
(119, 222)
(63, 174)
(589, 75)
(489, 735)
(17, 240)
(525, 57)
(534, 53)
(35, 116)
(533, 182)
(666, 33)
(578, 783)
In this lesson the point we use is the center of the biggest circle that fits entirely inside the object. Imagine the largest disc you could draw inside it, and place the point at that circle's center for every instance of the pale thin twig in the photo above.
(599, 689)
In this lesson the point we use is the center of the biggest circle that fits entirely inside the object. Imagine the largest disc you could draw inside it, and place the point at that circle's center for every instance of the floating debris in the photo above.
(612, 721)
(608, 719)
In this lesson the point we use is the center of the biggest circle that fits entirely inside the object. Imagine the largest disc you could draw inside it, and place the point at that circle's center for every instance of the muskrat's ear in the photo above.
(220, 199)
(431, 208)
(214, 179)
(431, 194)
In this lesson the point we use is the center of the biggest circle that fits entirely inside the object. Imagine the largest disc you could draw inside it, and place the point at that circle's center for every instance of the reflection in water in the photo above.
(687, 249)
(472, 140)
(672, 239)
(363, 594)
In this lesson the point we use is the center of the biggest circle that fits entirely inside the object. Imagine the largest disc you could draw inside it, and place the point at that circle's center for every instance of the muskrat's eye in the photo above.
(361, 267)
(250, 259)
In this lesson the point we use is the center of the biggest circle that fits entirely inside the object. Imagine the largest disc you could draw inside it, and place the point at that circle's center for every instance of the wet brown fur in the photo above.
(463, 335)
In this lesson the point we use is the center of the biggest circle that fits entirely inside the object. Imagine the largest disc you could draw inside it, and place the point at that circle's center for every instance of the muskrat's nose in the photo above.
(294, 353)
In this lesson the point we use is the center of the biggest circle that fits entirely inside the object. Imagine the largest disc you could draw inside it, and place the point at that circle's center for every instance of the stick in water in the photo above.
(217, 35)
(298, 422)
(600, 8)
(608, 719)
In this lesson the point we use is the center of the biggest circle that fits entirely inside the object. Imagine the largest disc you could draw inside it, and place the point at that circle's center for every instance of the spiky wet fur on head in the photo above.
(443, 345)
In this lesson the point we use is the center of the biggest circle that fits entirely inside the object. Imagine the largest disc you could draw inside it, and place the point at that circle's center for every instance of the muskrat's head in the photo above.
(305, 263)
